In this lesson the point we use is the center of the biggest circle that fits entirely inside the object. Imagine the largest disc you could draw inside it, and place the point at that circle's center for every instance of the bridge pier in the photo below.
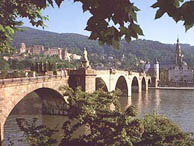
(84, 78)
(147, 85)
(140, 85)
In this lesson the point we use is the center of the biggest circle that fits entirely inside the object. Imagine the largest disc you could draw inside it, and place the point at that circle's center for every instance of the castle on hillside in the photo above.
(62, 53)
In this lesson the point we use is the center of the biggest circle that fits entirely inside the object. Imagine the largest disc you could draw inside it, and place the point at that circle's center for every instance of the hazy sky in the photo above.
(70, 19)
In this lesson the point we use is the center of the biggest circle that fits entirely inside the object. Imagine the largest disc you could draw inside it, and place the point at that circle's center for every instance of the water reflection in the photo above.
(125, 102)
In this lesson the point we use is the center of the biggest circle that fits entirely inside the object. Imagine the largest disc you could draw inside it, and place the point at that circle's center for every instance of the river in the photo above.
(177, 105)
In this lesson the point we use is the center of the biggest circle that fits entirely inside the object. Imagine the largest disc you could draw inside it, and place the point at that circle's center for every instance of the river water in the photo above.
(177, 105)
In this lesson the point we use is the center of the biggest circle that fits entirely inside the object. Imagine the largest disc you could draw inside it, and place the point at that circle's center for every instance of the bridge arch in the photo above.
(39, 101)
(101, 84)
(135, 85)
(122, 85)
(13, 92)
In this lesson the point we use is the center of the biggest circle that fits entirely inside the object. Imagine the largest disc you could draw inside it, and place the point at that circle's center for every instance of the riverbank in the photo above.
(172, 88)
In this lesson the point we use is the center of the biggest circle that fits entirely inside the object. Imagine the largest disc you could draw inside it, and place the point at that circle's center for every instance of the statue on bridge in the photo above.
(85, 61)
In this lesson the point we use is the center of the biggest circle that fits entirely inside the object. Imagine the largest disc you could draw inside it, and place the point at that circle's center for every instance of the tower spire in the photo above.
(177, 40)
(179, 57)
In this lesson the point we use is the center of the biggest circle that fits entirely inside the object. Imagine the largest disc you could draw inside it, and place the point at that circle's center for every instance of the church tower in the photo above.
(179, 56)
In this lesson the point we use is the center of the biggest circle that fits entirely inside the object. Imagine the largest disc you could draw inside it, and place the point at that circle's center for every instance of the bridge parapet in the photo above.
(81, 71)
(134, 73)
(142, 74)
(102, 72)
(16, 81)
(121, 72)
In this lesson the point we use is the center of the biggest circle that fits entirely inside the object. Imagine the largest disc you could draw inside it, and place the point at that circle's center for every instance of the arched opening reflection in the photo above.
(134, 85)
(149, 82)
(47, 105)
(100, 84)
(143, 83)
(122, 85)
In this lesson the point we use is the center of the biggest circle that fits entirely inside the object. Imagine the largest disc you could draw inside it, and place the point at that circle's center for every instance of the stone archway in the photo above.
(100, 84)
(143, 84)
(121, 84)
(135, 85)
(53, 102)
(36, 103)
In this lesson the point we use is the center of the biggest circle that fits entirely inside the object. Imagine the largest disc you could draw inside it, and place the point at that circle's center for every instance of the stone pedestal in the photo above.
(84, 78)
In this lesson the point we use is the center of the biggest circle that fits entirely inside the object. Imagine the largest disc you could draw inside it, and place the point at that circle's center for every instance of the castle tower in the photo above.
(65, 55)
(179, 56)
(156, 72)
(22, 48)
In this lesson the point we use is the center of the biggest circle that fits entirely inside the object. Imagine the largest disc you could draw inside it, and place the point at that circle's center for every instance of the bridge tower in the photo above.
(84, 77)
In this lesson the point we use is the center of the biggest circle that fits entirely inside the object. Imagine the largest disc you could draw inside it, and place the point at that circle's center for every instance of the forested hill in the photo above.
(136, 50)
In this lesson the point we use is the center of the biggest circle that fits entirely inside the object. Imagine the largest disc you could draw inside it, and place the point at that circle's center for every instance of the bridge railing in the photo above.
(24, 79)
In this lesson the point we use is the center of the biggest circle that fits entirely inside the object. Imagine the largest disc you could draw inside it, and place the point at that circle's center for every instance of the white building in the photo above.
(180, 72)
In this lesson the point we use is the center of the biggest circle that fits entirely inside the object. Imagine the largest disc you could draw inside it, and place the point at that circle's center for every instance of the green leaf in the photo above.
(133, 15)
(93, 36)
(188, 26)
(127, 38)
(155, 5)
(136, 8)
(159, 14)
(50, 2)
(124, 30)
(138, 29)
(58, 2)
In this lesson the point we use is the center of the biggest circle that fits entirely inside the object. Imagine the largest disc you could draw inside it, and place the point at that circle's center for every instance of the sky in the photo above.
(69, 18)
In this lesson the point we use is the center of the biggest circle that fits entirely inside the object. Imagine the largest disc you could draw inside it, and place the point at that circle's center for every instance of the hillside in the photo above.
(134, 51)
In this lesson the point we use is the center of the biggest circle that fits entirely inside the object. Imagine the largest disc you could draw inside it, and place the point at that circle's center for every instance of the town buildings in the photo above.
(178, 73)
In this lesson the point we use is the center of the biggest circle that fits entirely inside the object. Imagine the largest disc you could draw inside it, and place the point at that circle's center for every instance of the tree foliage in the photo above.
(36, 135)
(4, 65)
(179, 10)
(10, 11)
(110, 126)
(110, 20)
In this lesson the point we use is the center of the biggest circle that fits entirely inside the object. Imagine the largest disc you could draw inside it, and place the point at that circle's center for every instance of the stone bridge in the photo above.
(91, 80)
(12, 91)
(123, 80)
